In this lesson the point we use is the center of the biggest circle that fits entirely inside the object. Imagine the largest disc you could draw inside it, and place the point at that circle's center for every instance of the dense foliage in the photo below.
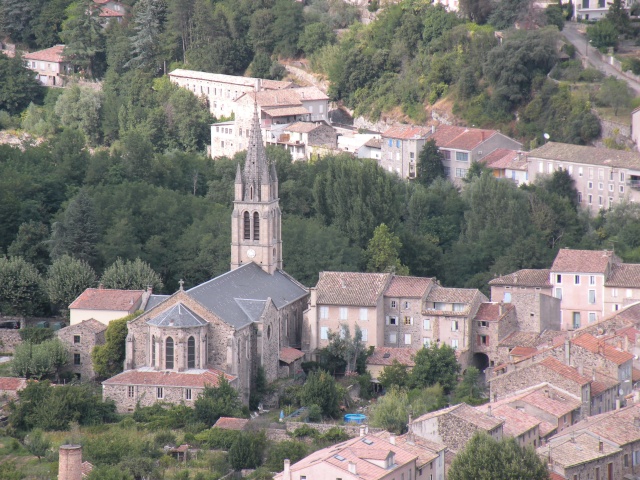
(108, 359)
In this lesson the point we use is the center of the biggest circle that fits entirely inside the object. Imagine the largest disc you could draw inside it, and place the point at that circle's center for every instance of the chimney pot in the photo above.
(352, 468)
(362, 430)
(601, 446)
(392, 439)
(286, 474)
(489, 411)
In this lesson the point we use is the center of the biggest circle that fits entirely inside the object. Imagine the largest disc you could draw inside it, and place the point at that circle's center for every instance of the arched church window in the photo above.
(153, 351)
(169, 353)
(247, 226)
(251, 192)
(256, 226)
(191, 353)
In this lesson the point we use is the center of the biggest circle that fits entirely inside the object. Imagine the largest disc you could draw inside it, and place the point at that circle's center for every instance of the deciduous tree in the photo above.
(320, 389)
(615, 93)
(66, 279)
(18, 87)
(83, 36)
(435, 364)
(430, 163)
(21, 288)
(108, 359)
(131, 275)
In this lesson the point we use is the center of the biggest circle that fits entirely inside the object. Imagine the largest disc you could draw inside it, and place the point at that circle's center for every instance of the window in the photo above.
(324, 313)
(153, 351)
(558, 294)
(407, 339)
(558, 278)
(392, 320)
(621, 188)
(483, 324)
(391, 142)
(159, 392)
(343, 313)
(447, 171)
(614, 292)
(592, 317)
(576, 279)
(590, 172)
(592, 296)
(256, 226)
(446, 154)
(406, 305)
(187, 394)
(507, 297)
(483, 340)
(600, 186)
(169, 354)
(393, 338)
(454, 325)
(131, 391)
(592, 279)
(408, 320)
(590, 185)
(426, 324)
(426, 342)
(412, 156)
(550, 167)
(462, 156)
(454, 344)
(636, 458)
(579, 197)
(393, 304)
(343, 331)
(76, 359)
(600, 200)
(76, 339)
(324, 333)
(398, 143)
(365, 334)
(459, 307)
(191, 353)
(247, 226)
(597, 473)
(364, 313)
(461, 172)
(611, 187)
(629, 293)
(580, 171)
(626, 460)
(589, 199)
(576, 320)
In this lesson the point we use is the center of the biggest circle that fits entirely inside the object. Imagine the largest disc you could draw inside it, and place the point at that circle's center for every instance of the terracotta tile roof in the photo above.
(452, 295)
(426, 450)
(12, 384)
(285, 111)
(560, 368)
(525, 278)
(408, 287)
(548, 338)
(635, 375)
(310, 93)
(582, 261)
(557, 403)
(516, 422)
(446, 133)
(556, 476)
(86, 468)
(230, 423)
(503, 158)
(568, 451)
(386, 355)
(491, 311)
(53, 54)
(301, 127)
(460, 138)
(359, 451)
(406, 132)
(108, 299)
(351, 288)
(601, 384)
(467, 413)
(624, 275)
(107, 12)
(92, 324)
(274, 98)
(545, 428)
(521, 351)
(373, 143)
(586, 155)
(192, 378)
(630, 332)
(594, 345)
(617, 426)
(290, 355)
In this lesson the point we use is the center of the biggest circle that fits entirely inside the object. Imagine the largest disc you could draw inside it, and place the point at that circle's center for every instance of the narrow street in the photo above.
(579, 40)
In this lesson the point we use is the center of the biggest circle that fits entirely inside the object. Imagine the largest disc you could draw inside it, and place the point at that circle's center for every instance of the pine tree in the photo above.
(430, 163)
(149, 19)
(77, 234)
(83, 36)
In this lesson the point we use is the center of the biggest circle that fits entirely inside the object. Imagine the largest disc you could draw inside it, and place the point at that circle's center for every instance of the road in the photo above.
(579, 41)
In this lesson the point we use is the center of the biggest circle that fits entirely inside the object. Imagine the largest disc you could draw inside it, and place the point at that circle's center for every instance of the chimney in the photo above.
(392, 438)
(567, 352)
(515, 278)
(433, 129)
(626, 342)
(352, 468)
(150, 289)
(501, 308)
(546, 393)
(70, 462)
(601, 446)
(573, 437)
(489, 411)
(362, 431)
(100, 286)
(286, 474)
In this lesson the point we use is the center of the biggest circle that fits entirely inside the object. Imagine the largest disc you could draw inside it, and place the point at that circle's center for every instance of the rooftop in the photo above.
(91, 324)
(524, 278)
(351, 288)
(289, 355)
(177, 316)
(571, 450)
(53, 54)
(582, 261)
(516, 422)
(12, 384)
(618, 426)
(230, 423)
(560, 368)
(108, 299)
(461, 138)
(624, 275)
(302, 127)
(468, 414)
(587, 155)
(493, 311)
(408, 287)
(553, 401)
(426, 450)
(452, 295)
(190, 378)
(599, 346)
(503, 158)
(310, 93)
(406, 132)
(386, 355)
(230, 79)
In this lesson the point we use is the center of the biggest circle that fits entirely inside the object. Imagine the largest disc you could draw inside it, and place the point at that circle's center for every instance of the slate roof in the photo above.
(236, 296)
(594, 345)
(452, 295)
(177, 316)
(289, 355)
(188, 379)
(386, 355)
(408, 287)
(155, 300)
(230, 79)
(624, 275)
(230, 423)
(491, 311)
(525, 278)
(567, 372)
(503, 158)
(466, 413)
(53, 54)
(406, 132)
(581, 261)
(587, 155)
(351, 288)
(107, 299)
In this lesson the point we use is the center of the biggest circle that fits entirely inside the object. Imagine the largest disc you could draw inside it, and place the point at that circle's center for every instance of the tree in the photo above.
(435, 364)
(77, 233)
(430, 163)
(619, 16)
(315, 36)
(477, 11)
(382, 252)
(39, 360)
(31, 244)
(342, 345)
(136, 275)
(216, 402)
(67, 278)
(484, 458)
(391, 411)
(603, 34)
(15, 17)
(288, 449)
(555, 16)
(247, 451)
(615, 93)
(108, 359)
(37, 444)
(79, 108)
(394, 375)
(468, 390)
(320, 389)
(106, 472)
(18, 87)
(286, 26)
(148, 19)
(506, 13)
(83, 36)
(21, 288)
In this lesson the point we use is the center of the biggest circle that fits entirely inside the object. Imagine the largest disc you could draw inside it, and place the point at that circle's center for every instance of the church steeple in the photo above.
(256, 220)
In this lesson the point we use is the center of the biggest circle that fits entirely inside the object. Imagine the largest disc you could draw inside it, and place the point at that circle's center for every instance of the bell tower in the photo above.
(256, 219)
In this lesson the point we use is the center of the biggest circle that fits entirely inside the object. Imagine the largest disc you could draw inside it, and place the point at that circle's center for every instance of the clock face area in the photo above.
(251, 253)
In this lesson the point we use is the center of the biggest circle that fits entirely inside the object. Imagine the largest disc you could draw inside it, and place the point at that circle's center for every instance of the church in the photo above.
(230, 325)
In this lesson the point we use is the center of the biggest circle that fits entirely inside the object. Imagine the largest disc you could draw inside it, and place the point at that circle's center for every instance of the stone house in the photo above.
(430, 463)
(50, 66)
(508, 164)
(107, 304)
(10, 386)
(372, 148)
(370, 456)
(401, 146)
(80, 339)
(303, 139)
(527, 280)
(111, 10)
(593, 9)
(385, 356)
(492, 323)
(518, 424)
(603, 176)
(454, 426)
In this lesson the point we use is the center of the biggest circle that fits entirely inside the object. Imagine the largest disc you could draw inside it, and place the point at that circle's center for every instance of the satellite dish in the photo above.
(546, 136)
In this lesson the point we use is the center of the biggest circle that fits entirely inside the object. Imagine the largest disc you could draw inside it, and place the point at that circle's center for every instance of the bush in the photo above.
(320, 388)
(35, 335)
(164, 438)
(215, 438)
(631, 63)
(305, 431)
(334, 435)
(315, 413)
(291, 449)
(247, 451)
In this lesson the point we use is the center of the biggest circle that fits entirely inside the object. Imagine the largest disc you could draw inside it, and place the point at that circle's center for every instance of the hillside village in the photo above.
(319, 239)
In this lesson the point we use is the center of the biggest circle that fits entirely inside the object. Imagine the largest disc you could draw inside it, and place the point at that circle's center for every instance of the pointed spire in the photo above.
(238, 175)
(256, 169)
(274, 174)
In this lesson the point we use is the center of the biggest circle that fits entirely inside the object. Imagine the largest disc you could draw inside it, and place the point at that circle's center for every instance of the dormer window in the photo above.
(391, 460)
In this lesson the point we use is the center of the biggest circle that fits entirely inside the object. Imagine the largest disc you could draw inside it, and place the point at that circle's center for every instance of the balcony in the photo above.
(634, 182)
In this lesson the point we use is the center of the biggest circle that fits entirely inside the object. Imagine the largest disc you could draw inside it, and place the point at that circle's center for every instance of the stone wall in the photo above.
(88, 340)
(353, 430)
(587, 470)
(536, 311)
(324, 136)
(9, 340)
(147, 395)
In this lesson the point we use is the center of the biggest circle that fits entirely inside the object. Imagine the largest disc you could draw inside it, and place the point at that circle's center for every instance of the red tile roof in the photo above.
(426, 450)
(12, 384)
(560, 368)
(503, 158)
(624, 275)
(516, 422)
(594, 345)
(557, 403)
(406, 132)
(460, 138)
(408, 287)
(525, 278)
(107, 12)
(108, 299)
(582, 261)
(53, 54)
(351, 288)
(617, 426)
(290, 355)
(453, 295)
(92, 324)
(521, 351)
(556, 476)
(209, 377)
(386, 355)
(230, 423)
(468, 414)
(492, 311)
